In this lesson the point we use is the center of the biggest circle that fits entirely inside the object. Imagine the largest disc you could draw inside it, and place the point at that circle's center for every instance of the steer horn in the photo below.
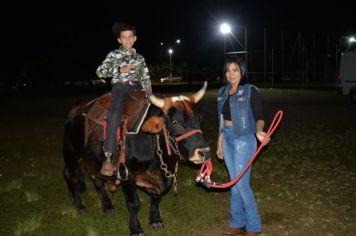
(198, 95)
(158, 102)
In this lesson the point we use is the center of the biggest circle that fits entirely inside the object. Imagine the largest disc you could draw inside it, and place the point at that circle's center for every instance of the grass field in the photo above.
(304, 181)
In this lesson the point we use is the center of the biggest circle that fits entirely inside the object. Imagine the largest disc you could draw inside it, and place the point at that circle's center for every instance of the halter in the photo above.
(168, 141)
(179, 138)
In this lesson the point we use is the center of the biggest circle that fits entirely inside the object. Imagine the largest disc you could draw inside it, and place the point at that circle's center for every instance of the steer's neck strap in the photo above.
(190, 133)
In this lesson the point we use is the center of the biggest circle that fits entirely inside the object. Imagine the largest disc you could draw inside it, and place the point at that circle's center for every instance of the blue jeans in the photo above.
(119, 97)
(237, 153)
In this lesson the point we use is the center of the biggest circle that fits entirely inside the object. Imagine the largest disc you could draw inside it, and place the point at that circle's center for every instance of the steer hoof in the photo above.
(80, 209)
(157, 225)
(138, 234)
(109, 211)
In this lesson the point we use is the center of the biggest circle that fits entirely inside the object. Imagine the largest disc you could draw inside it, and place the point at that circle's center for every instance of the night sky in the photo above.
(71, 32)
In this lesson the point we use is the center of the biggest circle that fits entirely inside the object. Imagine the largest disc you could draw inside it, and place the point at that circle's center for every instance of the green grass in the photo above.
(304, 181)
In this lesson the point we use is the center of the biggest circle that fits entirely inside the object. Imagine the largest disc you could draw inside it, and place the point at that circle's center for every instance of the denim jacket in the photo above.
(242, 117)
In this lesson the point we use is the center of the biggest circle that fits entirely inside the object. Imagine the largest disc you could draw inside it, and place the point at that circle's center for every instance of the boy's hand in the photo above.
(127, 68)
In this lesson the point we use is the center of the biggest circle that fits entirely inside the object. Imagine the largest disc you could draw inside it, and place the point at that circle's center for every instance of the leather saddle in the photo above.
(133, 115)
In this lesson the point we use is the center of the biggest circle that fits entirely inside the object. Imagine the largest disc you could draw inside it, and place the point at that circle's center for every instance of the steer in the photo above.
(170, 132)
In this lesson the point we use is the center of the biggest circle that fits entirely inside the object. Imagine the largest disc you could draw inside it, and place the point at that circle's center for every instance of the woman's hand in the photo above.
(219, 152)
(261, 135)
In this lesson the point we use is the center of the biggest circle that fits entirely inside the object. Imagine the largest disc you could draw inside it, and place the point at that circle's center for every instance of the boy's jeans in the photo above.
(119, 96)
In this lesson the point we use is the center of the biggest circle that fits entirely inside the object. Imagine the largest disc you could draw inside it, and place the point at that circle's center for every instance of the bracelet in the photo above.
(219, 144)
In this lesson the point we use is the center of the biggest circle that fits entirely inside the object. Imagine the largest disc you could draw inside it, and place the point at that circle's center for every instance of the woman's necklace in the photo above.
(232, 90)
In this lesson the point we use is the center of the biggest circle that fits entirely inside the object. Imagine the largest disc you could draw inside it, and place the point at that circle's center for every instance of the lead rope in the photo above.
(207, 167)
(164, 167)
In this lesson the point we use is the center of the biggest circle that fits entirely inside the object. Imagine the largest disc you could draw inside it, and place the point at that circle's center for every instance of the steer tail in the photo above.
(72, 150)
(72, 172)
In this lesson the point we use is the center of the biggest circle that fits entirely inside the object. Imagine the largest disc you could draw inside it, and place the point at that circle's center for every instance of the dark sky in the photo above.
(81, 32)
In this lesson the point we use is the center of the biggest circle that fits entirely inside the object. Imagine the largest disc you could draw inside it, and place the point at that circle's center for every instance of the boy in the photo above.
(129, 72)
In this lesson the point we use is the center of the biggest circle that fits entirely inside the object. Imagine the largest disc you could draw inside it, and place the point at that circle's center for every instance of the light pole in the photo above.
(244, 45)
(170, 52)
(246, 54)
(225, 29)
(350, 39)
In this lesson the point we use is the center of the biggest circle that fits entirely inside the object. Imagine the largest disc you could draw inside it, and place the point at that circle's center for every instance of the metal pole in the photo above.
(265, 56)
(246, 53)
(303, 65)
(224, 47)
(336, 62)
(170, 65)
(282, 55)
(314, 58)
(299, 57)
(272, 57)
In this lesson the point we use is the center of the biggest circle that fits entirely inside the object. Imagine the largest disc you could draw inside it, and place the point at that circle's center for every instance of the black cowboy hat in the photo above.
(116, 28)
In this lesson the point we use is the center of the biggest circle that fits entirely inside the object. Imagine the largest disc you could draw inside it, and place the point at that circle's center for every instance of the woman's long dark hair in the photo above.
(242, 65)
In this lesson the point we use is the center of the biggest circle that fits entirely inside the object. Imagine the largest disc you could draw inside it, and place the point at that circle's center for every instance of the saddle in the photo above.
(133, 115)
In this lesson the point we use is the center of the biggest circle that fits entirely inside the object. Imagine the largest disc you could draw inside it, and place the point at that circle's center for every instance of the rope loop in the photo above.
(207, 167)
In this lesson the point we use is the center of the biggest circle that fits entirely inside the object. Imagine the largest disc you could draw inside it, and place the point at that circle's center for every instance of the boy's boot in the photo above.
(107, 167)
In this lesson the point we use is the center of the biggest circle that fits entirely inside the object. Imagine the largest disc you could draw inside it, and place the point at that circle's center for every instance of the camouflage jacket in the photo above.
(110, 67)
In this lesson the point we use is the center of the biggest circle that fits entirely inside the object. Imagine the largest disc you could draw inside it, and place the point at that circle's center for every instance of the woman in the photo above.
(240, 122)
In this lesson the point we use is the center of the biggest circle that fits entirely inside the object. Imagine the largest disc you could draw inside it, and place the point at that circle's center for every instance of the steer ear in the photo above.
(153, 125)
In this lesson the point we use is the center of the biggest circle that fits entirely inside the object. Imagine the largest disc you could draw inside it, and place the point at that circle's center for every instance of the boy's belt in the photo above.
(130, 81)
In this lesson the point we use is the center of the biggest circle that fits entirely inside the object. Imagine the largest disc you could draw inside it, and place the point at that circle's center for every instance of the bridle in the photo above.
(172, 143)
(169, 140)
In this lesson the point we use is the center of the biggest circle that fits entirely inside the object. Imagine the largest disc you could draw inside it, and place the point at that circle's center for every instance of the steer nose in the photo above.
(205, 155)
(200, 155)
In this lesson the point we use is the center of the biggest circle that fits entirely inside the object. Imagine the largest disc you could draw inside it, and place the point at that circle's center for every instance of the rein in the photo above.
(207, 167)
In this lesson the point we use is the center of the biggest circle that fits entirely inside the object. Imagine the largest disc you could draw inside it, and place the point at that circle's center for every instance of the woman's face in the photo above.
(233, 73)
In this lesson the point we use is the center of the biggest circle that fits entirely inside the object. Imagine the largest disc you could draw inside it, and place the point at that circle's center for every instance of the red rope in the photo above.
(207, 167)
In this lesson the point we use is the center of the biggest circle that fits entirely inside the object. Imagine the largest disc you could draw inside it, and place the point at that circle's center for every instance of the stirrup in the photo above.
(122, 172)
